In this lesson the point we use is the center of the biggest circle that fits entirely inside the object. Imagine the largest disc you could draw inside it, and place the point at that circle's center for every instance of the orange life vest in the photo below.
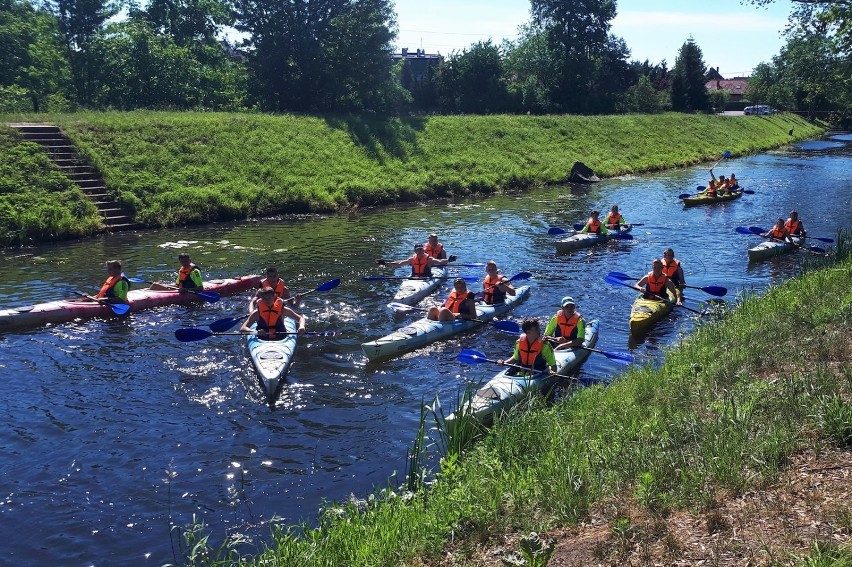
(434, 252)
(614, 220)
(108, 289)
(183, 276)
(420, 268)
(778, 234)
(454, 301)
(594, 226)
(655, 286)
(278, 288)
(269, 317)
(529, 355)
(793, 227)
(492, 293)
(671, 270)
(711, 189)
(565, 326)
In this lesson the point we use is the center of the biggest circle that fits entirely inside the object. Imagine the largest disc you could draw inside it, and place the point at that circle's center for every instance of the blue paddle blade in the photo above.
(208, 296)
(470, 356)
(222, 325)
(137, 280)
(521, 276)
(716, 290)
(555, 231)
(816, 249)
(744, 230)
(621, 276)
(578, 226)
(620, 236)
(747, 191)
(684, 195)
(329, 285)
(757, 230)
(726, 155)
(619, 357)
(192, 334)
(473, 265)
(119, 308)
(507, 326)
(614, 281)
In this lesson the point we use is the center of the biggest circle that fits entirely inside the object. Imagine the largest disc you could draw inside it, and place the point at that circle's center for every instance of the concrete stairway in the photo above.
(62, 151)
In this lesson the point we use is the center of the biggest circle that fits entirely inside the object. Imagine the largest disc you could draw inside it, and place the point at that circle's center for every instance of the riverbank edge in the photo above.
(755, 396)
(174, 169)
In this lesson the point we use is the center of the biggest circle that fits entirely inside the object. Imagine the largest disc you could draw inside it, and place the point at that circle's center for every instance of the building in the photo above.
(418, 62)
(736, 87)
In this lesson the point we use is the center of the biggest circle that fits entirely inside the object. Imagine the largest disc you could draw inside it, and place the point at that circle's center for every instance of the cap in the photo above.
(418, 245)
(568, 300)
(433, 235)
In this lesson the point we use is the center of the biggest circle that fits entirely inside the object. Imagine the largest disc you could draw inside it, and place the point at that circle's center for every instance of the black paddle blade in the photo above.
(192, 334)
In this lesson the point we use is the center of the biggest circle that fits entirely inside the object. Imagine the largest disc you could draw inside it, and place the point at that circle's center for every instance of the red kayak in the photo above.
(64, 310)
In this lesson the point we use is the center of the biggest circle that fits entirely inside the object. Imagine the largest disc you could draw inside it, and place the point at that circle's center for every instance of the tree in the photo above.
(828, 18)
(320, 54)
(80, 21)
(472, 81)
(688, 83)
(578, 35)
(531, 68)
(32, 57)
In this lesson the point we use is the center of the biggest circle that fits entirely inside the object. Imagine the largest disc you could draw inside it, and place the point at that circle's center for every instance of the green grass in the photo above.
(37, 202)
(181, 168)
(722, 415)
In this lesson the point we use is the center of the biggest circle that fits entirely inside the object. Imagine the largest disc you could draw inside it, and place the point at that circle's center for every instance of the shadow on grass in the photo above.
(381, 136)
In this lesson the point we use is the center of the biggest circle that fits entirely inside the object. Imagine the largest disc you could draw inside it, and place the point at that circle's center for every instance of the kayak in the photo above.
(503, 391)
(425, 331)
(770, 248)
(64, 310)
(646, 312)
(705, 200)
(271, 359)
(414, 290)
(585, 239)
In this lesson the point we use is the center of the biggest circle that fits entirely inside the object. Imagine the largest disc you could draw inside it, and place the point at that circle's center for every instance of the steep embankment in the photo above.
(180, 168)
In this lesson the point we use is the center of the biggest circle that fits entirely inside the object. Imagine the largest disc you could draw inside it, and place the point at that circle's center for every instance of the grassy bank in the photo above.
(725, 415)
(180, 168)
(37, 202)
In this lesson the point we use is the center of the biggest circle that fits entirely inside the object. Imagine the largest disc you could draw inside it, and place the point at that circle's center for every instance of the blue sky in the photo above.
(732, 36)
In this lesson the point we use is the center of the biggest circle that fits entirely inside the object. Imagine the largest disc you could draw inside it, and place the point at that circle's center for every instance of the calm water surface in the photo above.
(114, 431)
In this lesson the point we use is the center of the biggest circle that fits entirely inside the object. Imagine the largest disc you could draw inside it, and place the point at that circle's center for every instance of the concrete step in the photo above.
(32, 127)
(53, 141)
(88, 183)
(120, 226)
(49, 135)
(110, 211)
(68, 169)
(60, 149)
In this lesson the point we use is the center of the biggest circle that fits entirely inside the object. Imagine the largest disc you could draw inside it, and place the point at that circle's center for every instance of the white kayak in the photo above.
(414, 290)
(503, 391)
(425, 331)
(770, 248)
(272, 359)
(586, 239)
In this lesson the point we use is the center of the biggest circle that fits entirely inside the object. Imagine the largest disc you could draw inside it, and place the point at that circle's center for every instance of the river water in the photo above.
(113, 431)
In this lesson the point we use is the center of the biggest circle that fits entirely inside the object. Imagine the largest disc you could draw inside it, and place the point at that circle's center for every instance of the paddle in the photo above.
(117, 308)
(578, 227)
(195, 334)
(756, 230)
(716, 290)
(615, 281)
(209, 296)
(617, 235)
(470, 356)
(505, 325)
(701, 188)
(225, 324)
(760, 231)
(725, 155)
(469, 279)
(517, 277)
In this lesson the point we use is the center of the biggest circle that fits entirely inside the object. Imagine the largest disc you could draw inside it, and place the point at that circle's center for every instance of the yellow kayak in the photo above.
(646, 312)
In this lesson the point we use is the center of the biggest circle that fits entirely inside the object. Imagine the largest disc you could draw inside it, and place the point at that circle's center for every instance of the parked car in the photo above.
(759, 110)
(749, 110)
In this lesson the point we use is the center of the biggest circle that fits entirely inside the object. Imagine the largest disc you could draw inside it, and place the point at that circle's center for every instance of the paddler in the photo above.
(278, 287)
(733, 183)
(615, 220)
(434, 248)
(710, 190)
(594, 225)
(531, 350)
(794, 226)
(421, 263)
(116, 286)
(188, 277)
(269, 316)
(496, 286)
(779, 232)
(674, 272)
(567, 328)
(656, 282)
(459, 305)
